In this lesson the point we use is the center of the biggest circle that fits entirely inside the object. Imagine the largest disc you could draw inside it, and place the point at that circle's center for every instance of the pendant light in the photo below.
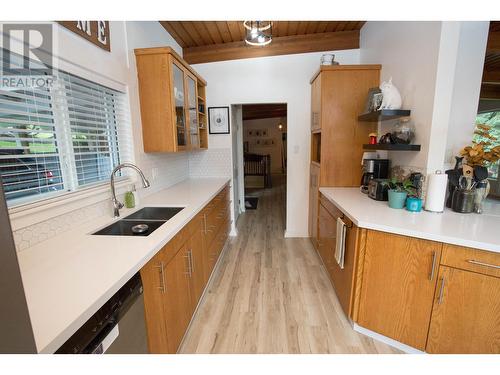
(259, 33)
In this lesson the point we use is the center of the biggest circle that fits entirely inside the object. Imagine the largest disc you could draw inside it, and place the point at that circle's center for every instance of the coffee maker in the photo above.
(373, 168)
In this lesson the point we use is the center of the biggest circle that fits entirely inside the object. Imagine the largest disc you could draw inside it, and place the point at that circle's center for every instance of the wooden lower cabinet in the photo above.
(153, 282)
(177, 302)
(341, 278)
(327, 233)
(314, 203)
(398, 284)
(175, 278)
(466, 313)
(197, 266)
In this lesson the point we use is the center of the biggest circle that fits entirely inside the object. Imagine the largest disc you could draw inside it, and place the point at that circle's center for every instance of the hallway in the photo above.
(270, 294)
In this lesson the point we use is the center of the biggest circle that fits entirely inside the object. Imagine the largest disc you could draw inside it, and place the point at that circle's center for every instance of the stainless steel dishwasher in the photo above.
(118, 327)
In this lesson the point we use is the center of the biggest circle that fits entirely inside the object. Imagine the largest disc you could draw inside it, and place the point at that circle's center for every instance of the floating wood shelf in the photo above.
(392, 147)
(384, 114)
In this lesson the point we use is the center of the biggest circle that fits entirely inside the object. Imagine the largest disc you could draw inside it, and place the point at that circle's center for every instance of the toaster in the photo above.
(378, 188)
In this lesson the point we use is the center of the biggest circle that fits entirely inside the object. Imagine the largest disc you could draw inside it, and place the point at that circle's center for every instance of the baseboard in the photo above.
(386, 340)
(290, 234)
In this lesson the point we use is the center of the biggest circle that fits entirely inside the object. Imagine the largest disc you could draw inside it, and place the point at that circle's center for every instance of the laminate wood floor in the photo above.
(270, 294)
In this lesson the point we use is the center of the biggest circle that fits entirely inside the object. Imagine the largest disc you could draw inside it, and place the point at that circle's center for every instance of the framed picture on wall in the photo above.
(218, 120)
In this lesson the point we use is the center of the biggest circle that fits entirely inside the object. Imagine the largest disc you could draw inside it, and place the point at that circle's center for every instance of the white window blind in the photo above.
(60, 138)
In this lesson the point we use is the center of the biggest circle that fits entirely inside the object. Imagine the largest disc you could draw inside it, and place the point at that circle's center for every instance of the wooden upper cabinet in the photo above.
(316, 104)
(398, 283)
(338, 96)
(172, 97)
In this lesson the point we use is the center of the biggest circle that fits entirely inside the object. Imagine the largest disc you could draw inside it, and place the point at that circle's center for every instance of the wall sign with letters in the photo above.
(96, 32)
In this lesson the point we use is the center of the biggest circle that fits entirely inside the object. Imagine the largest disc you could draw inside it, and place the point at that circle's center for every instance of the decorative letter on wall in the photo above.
(96, 32)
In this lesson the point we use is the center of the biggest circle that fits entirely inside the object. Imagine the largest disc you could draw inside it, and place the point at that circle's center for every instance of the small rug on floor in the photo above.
(251, 203)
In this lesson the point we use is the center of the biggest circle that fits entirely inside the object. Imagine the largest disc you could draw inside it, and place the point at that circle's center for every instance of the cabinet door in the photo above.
(327, 233)
(197, 266)
(177, 302)
(466, 313)
(313, 204)
(179, 105)
(316, 104)
(153, 283)
(192, 110)
(397, 292)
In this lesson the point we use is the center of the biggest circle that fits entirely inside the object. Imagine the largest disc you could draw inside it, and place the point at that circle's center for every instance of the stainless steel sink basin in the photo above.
(141, 223)
(130, 228)
(154, 213)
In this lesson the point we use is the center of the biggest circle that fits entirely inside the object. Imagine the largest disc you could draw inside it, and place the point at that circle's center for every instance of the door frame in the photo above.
(237, 145)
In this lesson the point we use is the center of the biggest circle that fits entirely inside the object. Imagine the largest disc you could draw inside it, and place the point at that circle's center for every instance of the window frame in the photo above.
(23, 214)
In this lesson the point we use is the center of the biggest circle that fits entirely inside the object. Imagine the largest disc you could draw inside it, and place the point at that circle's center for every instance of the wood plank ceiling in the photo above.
(260, 111)
(490, 88)
(208, 41)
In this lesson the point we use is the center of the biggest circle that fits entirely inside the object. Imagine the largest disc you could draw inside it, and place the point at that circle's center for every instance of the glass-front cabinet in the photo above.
(179, 103)
(192, 105)
(173, 100)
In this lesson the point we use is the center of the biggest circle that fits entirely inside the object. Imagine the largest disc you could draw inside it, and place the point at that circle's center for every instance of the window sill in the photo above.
(32, 213)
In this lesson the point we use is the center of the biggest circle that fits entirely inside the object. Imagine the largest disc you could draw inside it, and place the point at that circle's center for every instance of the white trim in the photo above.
(290, 234)
(33, 213)
(386, 340)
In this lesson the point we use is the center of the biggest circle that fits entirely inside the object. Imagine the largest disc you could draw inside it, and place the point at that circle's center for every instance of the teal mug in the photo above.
(414, 204)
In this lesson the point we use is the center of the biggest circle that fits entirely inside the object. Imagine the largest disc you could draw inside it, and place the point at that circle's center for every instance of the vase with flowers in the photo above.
(477, 157)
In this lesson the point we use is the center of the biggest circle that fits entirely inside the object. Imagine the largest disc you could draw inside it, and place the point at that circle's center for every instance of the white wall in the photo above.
(273, 132)
(467, 86)
(408, 52)
(437, 67)
(277, 79)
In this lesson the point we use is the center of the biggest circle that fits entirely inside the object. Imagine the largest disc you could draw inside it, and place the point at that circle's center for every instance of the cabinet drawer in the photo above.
(196, 224)
(334, 211)
(480, 261)
(222, 196)
(330, 207)
(174, 245)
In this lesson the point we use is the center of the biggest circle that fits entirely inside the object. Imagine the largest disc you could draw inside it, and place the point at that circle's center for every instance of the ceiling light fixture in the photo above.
(259, 33)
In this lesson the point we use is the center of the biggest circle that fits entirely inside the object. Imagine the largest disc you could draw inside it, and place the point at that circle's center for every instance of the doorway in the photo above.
(260, 152)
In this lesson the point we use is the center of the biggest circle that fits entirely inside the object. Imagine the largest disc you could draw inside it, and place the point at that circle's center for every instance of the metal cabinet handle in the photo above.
(191, 260)
(433, 267)
(205, 223)
(188, 257)
(441, 292)
(163, 286)
(483, 264)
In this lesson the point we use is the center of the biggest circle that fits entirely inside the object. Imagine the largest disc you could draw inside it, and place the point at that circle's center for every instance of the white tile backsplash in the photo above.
(215, 162)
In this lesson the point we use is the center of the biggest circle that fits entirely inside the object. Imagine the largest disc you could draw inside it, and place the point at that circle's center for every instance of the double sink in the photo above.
(140, 223)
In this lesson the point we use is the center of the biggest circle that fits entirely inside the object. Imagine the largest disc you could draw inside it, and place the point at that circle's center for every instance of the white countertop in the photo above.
(69, 277)
(471, 230)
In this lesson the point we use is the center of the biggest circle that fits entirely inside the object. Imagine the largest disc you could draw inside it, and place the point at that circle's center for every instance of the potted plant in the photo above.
(398, 191)
(413, 201)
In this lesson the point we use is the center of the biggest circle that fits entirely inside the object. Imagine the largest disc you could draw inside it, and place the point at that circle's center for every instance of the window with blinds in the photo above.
(59, 138)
